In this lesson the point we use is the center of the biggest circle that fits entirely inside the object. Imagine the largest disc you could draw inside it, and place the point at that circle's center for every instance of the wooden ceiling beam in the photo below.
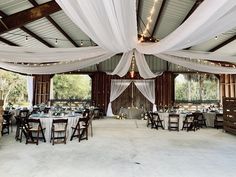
(8, 42)
(34, 3)
(157, 22)
(223, 44)
(194, 7)
(30, 32)
(20, 19)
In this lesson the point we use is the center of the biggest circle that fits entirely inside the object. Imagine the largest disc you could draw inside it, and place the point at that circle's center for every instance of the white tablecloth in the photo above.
(165, 117)
(47, 123)
(210, 118)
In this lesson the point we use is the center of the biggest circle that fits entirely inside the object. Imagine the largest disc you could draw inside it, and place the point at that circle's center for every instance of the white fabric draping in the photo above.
(143, 67)
(37, 55)
(202, 55)
(30, 90)
(109, 23)
(211, 18)
(194, 65)
(112, 25)
(147, 88)
(117, 87)
(55, 68)
(124, 64)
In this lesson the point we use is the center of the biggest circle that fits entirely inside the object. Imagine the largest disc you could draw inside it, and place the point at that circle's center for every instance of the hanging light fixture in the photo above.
(132, 67)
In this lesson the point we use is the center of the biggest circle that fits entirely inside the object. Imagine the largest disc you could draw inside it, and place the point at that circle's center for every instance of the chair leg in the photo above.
(73, 134)
(44, 139)
(91, 129)
(65, 138)
(53, 138)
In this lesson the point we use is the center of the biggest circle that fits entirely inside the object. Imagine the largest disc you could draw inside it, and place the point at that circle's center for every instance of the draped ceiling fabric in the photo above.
(118, 86)
(112, 25)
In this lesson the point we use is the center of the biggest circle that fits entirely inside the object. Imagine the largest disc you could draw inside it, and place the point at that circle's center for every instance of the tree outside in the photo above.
(71, 86)
(13, 88)
(196, 88)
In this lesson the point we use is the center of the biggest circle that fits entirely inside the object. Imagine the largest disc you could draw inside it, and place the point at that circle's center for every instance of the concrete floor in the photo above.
(124, 148)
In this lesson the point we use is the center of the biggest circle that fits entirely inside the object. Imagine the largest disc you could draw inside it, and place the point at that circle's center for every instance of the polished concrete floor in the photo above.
(124, 148)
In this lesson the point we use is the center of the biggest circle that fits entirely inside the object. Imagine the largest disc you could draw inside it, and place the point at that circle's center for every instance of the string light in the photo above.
(81, 43)
(149, 21)
(132, 67)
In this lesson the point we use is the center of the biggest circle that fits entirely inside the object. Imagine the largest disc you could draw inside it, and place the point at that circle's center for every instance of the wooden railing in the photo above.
(70, 102)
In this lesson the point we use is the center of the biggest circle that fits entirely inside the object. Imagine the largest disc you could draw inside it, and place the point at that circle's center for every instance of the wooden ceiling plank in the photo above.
(20, 19)
(34, 3)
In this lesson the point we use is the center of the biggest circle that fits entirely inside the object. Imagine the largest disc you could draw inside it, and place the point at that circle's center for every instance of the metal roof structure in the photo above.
(52, 28)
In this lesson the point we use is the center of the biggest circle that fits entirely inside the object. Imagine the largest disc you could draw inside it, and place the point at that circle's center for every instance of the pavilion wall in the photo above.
(227, 86)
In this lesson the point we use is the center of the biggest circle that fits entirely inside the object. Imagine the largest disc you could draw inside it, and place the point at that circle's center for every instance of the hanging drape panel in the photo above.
(55, 68)
(30, 90)
(143, 67)
(194, 65)
(124, 64)
(147, 88)
(117, 87)
(109, 23)
(211, 18)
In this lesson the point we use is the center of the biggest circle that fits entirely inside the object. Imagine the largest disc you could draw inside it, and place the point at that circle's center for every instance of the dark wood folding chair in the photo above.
(81, 128)
(34, 131)
(150, 120)
(173, 123)
(157, 120)
(190, 123)
(201, 121)
(20, 121)
(6, 123)
(218, 122)
(59, 128)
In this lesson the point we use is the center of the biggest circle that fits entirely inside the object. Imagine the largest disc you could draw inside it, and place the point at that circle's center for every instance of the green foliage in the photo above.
(13, 87)
(72, 86)
(196, 87)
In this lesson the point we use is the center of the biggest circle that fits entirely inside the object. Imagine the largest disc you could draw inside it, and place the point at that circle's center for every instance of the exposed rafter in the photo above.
(138, 13)
(20, 19)
(34, 3)
(8, 42)
(223, 44)
(157, 22)
(195, 6)
(30, 32)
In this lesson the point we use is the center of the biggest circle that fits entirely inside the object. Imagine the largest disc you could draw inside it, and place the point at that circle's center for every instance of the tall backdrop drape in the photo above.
(146, 87)
(117, 87)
